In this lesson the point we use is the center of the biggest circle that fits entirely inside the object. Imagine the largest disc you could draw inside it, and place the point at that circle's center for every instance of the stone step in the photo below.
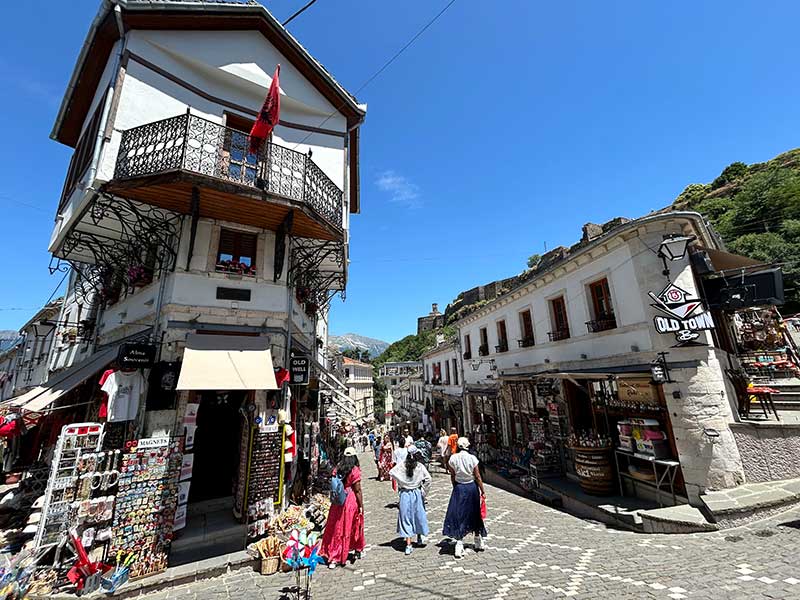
(676, 519)
(751, 502)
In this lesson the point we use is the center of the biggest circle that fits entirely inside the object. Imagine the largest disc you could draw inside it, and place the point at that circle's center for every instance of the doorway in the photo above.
(216, 445)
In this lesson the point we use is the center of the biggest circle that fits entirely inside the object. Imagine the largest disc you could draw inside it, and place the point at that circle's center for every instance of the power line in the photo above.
(298, 13)
(384, 67)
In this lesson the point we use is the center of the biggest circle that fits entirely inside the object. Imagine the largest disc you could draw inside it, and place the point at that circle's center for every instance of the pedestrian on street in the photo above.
(441, 447)
(385, 460)
(408, 440)
(344, 531)
(413, 481)
(464, 509)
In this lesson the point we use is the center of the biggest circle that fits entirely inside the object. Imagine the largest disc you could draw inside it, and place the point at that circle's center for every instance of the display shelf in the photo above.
(662, 481)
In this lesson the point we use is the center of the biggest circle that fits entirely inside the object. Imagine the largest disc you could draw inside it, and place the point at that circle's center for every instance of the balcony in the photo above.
(468, 355)
(558, 335)
(483, 350)
(604, 323)
(501, 347)
(160, 163)
(525, 342)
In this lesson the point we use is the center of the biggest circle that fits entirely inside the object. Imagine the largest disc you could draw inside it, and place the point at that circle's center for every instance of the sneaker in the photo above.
(422, 540)
(459, 551)
(332, 565)
(409, 549)
(478, 543)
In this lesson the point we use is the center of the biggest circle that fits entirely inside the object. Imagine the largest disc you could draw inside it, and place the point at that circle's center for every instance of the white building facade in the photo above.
(582, 332)
(359, 382)
(444, 386)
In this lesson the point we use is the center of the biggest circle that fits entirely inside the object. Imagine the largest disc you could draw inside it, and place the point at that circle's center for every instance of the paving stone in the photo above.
(557, 556)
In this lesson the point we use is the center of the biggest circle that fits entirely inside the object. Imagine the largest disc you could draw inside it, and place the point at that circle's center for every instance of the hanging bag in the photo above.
(483, 507)
(338, 493)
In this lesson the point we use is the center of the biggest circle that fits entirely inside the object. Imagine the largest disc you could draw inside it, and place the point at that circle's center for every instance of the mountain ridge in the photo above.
(355, 341)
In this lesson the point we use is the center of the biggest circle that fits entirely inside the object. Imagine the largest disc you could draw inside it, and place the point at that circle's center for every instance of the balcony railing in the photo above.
(501, 347)
(483, 350)
(468, 355)
(558, 335)
(525, 342)
(602, 324)
(191, 143)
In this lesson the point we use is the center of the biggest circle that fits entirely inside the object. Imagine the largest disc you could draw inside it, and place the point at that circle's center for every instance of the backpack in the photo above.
(338, 493)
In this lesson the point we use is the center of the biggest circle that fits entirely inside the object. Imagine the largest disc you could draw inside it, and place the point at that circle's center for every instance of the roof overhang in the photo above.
(104, 32)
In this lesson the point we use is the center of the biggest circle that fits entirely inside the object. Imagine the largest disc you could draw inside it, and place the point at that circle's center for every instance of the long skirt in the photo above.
(412, 519)
(344, 531)
(464, 512)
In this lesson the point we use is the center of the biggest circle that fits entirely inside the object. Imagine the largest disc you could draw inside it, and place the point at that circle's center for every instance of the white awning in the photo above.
(227, 362)
(40, 398)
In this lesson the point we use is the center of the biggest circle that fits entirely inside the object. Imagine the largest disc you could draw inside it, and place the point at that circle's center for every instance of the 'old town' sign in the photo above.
(684, 314)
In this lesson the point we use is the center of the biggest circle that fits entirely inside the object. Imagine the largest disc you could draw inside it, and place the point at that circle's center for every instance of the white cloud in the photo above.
(400, 189)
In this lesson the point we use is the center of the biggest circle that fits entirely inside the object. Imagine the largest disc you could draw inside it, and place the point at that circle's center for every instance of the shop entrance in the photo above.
(216, 445)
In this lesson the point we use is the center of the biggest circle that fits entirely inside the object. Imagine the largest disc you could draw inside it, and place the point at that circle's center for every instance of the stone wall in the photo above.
(701, 419)
(769, 450)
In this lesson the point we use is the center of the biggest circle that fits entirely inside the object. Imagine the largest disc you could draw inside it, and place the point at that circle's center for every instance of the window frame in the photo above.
(502, 335)
(236, 253)
(527, 338)
(558, 308)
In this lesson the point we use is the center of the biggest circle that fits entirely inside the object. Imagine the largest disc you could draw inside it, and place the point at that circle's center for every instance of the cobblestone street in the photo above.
(537, 552)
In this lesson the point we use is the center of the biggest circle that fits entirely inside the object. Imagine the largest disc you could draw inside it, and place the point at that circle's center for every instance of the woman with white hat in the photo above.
(413, 481)
(464, 510)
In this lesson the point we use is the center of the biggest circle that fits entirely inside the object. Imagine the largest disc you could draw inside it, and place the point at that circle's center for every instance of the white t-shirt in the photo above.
(463, 463)
(124, 391)
(400, 456)
(409, 441)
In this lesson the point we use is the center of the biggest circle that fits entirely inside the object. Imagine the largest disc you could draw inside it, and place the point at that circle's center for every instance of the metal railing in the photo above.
(483, 350)
(191, 143)
(558, 335)
(501, 347)
(602, 324)
(525, 342)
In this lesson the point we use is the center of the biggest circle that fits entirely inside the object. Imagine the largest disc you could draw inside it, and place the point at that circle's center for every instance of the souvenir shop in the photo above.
(124, 489)
(609, 432)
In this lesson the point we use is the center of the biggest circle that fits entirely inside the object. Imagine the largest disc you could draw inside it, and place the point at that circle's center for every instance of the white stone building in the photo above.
(444, 386)
(359, 382)
(583, 331)
(182, 236)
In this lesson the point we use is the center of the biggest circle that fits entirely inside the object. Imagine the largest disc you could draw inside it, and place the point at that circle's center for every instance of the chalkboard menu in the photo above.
(266, 466)
(146, 502)
(240, 483)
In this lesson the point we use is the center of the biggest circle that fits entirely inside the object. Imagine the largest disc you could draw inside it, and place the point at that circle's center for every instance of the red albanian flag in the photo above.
(269, 115)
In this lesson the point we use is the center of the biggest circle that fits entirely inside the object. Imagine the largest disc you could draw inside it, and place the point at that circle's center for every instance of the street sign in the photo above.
(299, 367)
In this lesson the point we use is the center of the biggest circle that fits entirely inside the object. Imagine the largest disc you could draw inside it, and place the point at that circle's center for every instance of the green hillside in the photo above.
(756, 210)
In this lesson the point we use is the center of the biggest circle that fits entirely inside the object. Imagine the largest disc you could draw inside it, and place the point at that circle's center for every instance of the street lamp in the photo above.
(673, 248)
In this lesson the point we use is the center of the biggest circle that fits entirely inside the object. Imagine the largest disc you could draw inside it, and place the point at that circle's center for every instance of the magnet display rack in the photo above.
(74, 439)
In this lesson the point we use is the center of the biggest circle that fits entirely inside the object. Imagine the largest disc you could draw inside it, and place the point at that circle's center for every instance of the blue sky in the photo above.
(505, 127)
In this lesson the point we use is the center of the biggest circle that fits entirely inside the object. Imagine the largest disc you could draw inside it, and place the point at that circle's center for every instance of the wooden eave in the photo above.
(223, 201)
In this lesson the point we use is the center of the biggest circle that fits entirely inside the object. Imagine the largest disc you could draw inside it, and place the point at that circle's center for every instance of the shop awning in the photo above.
(227, 362)
(41, 398)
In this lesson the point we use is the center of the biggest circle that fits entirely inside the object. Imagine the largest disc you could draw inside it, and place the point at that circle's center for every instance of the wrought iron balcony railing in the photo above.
(467, 355)
(525, 342)
(191, 143)
(602, 324)
(483, 350)
(558, 335)
(501, 347)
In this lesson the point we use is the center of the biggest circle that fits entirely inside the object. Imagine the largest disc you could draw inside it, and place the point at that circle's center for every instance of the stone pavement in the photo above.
(537, 552)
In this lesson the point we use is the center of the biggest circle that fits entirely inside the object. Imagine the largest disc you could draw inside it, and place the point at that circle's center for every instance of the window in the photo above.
(560, 324)
(526, 327)
(237, 252)
(455, 372)
(483, 350)
(603, 312)
(467, 347)
(502, 337)
(447, 372)
(83, 153)
(236, 149)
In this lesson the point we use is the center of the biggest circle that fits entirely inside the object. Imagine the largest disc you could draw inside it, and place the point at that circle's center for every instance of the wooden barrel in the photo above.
(595, 471)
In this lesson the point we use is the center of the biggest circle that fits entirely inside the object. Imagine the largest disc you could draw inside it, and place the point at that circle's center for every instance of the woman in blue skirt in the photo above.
(464, 510)
(412, 480)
